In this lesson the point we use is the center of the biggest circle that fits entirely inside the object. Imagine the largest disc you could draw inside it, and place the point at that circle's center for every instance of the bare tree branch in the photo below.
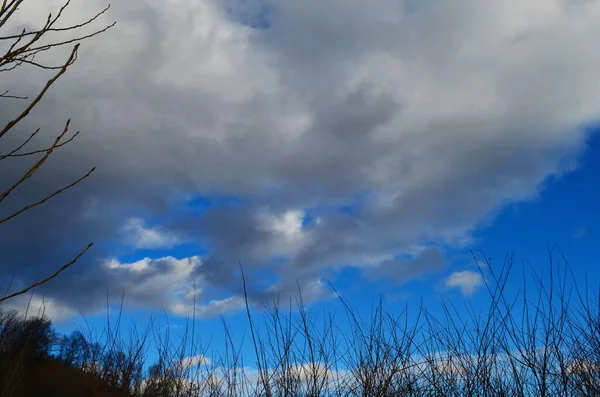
(6, 95)
(42, 201)
(53, 275)
(23, 49)
(25, 112)
(15, 154)
(36, 166)
(23, 53)
(66, 29)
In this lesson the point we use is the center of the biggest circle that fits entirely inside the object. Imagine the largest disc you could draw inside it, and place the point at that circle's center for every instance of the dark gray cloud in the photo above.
(402, 269)
(434, 116)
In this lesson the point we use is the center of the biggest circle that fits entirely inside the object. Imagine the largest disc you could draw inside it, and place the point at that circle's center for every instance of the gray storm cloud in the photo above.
(422, 118)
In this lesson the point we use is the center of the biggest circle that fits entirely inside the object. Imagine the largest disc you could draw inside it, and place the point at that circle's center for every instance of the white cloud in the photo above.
(140, 236)
(221, 306)
(137, 267)
(311, 291)
(286, 233)
(467, 281)
(581, 367)
(288, 224)
(195, 361)
(308, 371)
(164, 282)
(316, 290)
(213, 307)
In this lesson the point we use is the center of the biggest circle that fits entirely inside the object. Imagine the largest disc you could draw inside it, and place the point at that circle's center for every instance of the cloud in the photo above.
(424, 121)
(195, 361)
(221, 306)
(164, 283)
(35, 306)
(140, 236)
(467, 281)
(289, 224)
(309, 371)
(428, 259)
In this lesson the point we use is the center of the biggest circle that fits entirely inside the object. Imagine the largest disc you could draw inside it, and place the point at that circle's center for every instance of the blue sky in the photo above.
(373, 150)
(565, 215)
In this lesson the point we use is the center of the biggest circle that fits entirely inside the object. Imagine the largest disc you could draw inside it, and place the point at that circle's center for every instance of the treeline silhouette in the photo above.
(543, 341)
(36, 361)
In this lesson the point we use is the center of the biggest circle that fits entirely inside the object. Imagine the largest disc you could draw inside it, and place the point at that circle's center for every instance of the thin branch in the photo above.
(36, 64)
(75, 40)
(21, 146)
(14, 154)
(73, 27)
(42, 201)
(12, 123)
(9, 10)
(5, 95)
(63, 268)
(36, 166)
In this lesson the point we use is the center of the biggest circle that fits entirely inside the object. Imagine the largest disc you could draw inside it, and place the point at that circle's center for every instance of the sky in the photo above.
(370, 144)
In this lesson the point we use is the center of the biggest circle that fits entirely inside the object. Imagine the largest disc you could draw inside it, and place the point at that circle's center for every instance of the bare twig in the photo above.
(53, 275)
(39, 97)
(42, 201)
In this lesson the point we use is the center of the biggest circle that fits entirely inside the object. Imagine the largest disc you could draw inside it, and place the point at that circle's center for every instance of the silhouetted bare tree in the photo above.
(22, 48)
